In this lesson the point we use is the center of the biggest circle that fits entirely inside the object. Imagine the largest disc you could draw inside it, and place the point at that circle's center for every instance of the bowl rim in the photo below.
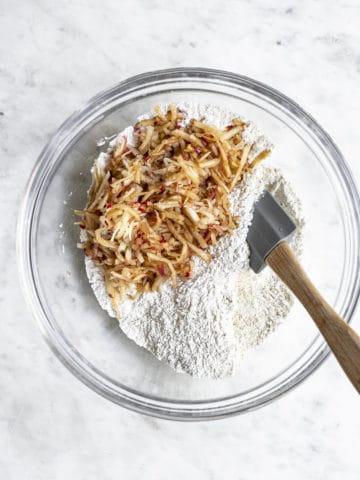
(129, 398)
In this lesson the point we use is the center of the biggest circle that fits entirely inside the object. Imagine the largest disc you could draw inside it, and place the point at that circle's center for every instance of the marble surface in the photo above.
(54, 56)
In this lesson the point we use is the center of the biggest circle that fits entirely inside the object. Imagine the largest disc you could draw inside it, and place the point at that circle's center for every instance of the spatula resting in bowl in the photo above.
(268, 237)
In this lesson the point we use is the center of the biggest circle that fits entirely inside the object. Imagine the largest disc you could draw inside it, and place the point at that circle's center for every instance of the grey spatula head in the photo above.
(271, 225)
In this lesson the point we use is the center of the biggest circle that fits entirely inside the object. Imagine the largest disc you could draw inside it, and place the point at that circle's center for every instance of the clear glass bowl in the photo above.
(90, 343)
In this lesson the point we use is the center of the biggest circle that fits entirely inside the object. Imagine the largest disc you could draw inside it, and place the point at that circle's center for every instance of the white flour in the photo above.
(205, 326)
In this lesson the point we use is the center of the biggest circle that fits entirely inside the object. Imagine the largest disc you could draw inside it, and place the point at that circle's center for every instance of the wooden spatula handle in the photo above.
(341, 338)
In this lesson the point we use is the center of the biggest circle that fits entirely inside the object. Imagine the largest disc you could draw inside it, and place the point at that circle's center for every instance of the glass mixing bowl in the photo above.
(89, 343)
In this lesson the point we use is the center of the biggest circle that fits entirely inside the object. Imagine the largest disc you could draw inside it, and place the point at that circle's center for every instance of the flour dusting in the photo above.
(205, 326)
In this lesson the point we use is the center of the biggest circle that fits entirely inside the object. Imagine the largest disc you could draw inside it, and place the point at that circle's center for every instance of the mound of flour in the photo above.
(205, 326)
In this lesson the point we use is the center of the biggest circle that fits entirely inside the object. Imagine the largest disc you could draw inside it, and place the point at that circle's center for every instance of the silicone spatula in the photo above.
(268, 238)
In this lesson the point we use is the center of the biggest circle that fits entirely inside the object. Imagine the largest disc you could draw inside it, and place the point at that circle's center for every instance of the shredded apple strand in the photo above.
(155, 205)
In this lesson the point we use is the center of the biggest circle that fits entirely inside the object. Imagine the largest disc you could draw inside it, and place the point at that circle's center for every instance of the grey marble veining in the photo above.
(54, 56)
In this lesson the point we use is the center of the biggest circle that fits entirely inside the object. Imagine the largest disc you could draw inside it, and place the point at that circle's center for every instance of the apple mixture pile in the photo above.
(155, 205)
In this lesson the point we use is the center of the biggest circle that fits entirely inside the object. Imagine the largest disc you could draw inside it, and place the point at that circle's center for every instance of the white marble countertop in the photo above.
(54, 56)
